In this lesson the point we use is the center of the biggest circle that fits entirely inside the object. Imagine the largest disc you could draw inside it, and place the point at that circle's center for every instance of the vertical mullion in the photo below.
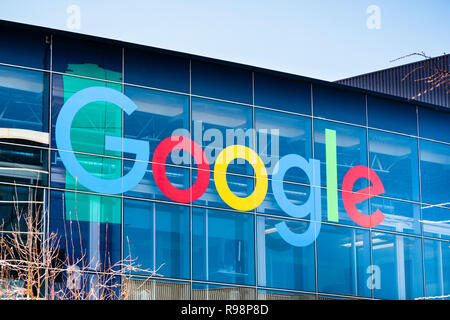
(311, 221)
(46, 213)
(191, 262)
(254, 137)
(369, 200)
(421, 206)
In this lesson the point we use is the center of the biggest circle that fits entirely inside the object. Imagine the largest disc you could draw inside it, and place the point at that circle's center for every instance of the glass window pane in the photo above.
(75, 285)
(436, 221)
(88, 227)
(223, 246)
(158, 116)
(217, 125)
(281, 265)
(433, 124)
(343, 216)
(93, 122)
(279, 134)
(87, 58)
(394, 159)
(157, 236)
(297, 194)
(339, 104)
(343, 255)
(101, 167)
(156, 70)
(240, 186)
(400, 216)
(147, 188)
(386, 113)
(435, 172)
(23, 104)
(398, 264)
(24, 165)
(17, 204)
(24, 47)
(282, 93)
(351, 149)
(222, 82)
(437, 269)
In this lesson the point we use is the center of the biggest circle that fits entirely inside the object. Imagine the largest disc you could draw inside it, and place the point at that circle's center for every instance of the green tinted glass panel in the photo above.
(89, 128)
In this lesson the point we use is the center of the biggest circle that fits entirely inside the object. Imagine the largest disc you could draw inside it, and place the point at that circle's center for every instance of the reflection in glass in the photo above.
(435, 173)
(394, 159)
(25, 165)
(157, 236)
(281, 265)
(98, 166)
(351, 150)
(436, 221)
(87, 58)
(240, 186)
(217, 125)
(147, 188)
(88, 227)
(437, 269)
(398, 262)
(343, 256)
(17, 203)
(223, 246)
(93, 122)
(343, 216)
(279, 134)
(23, 103)
(158, 116)
(297, 194)
(400, 216)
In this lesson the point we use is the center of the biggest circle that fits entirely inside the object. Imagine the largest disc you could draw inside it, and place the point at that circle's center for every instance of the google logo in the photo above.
(140, 148)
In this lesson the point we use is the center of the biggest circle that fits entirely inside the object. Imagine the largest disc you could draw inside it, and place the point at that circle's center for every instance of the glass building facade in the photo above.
(205, 248)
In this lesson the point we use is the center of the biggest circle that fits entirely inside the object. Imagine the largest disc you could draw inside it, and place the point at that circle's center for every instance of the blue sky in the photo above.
(322, 39)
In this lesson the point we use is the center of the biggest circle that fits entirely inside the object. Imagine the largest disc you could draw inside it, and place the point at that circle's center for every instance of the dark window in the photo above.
(338, 104)
(23, 99)
(87, 58)
(282, 93)
(24, 47)
(222, 82)
(435, 172)
(392, 115)
(156, 70)
(434, 124)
